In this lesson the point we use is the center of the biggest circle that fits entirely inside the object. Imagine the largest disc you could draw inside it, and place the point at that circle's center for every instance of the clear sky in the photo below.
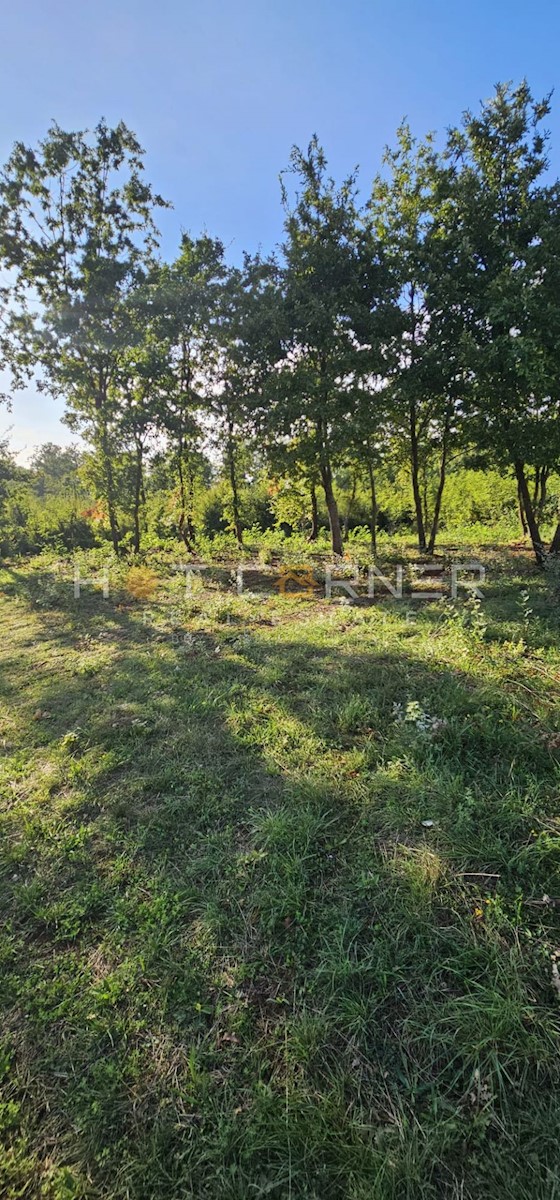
(219, 90)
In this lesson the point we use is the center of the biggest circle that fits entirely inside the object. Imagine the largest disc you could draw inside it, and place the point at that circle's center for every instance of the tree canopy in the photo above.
(396, 331)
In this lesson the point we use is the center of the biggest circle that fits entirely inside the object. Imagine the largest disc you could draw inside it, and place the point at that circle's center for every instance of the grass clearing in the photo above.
(281, 891)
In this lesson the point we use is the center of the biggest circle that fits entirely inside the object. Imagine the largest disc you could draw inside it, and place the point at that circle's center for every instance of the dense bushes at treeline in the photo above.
(396, 361)
(51, 504)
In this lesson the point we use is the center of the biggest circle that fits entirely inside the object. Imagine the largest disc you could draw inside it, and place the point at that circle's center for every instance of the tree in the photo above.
(248, 344)
(500, 217)
(423, 374)
(293, 488)
(331, 286)
(54, 468)
(10, 474)
(77, 234)
(545, 319)
(184, 301)
(135, 390)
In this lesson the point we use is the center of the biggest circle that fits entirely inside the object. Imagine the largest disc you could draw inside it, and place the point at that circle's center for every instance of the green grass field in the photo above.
(280, 891)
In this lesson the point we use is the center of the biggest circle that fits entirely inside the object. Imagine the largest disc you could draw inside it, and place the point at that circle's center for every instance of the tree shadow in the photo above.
(227, 902)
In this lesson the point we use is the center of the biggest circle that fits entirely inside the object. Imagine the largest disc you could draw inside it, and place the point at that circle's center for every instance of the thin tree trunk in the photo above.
(545, 472)
(522, 516)
(330, 498)
(110, 487)
(314, 531)
(425, 496)
(332, 509)
(554, 547)
(325, 465)
(415, 472)
(238, 528)
(190, 502)
(373, 495)
(350, 505)
(413, 425)
(441, 483)
(539, 490)
(536, 486)
(137, 497)
(529, 513)
(183, 524)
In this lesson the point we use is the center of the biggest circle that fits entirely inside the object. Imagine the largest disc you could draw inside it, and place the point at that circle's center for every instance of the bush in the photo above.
(30, 526)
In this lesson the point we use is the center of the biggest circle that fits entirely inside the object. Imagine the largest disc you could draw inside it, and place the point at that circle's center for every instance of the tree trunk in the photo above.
(373, 516)
(541, 501)
(425, 497)
(314, 531)
(330, 498)
(325, 464)
(332, 509)
(184, 525)
(539, 491)
(350, 505)
(441, 483)
(522, 516)
(538, 547)
(138, 489)
(413, 426)
(238, 528)
(190, 503)
(536, 486)
(415, 472)
(109, 487)
(554, 547)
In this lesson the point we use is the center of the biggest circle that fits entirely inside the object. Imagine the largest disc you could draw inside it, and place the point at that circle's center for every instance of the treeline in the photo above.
(407, 330)
(52, 503)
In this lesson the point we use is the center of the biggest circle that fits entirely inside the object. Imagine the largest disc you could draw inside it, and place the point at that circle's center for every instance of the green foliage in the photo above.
(385, 350)
(53, 503)
(46, 504)
(77, 235)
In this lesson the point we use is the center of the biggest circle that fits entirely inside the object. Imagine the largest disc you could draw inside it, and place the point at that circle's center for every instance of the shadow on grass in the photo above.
(237, 962)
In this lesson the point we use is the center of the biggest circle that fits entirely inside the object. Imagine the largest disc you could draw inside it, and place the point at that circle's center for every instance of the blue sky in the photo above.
(219, 90)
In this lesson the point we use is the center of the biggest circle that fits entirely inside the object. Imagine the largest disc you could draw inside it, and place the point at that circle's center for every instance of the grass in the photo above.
(279, 882)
